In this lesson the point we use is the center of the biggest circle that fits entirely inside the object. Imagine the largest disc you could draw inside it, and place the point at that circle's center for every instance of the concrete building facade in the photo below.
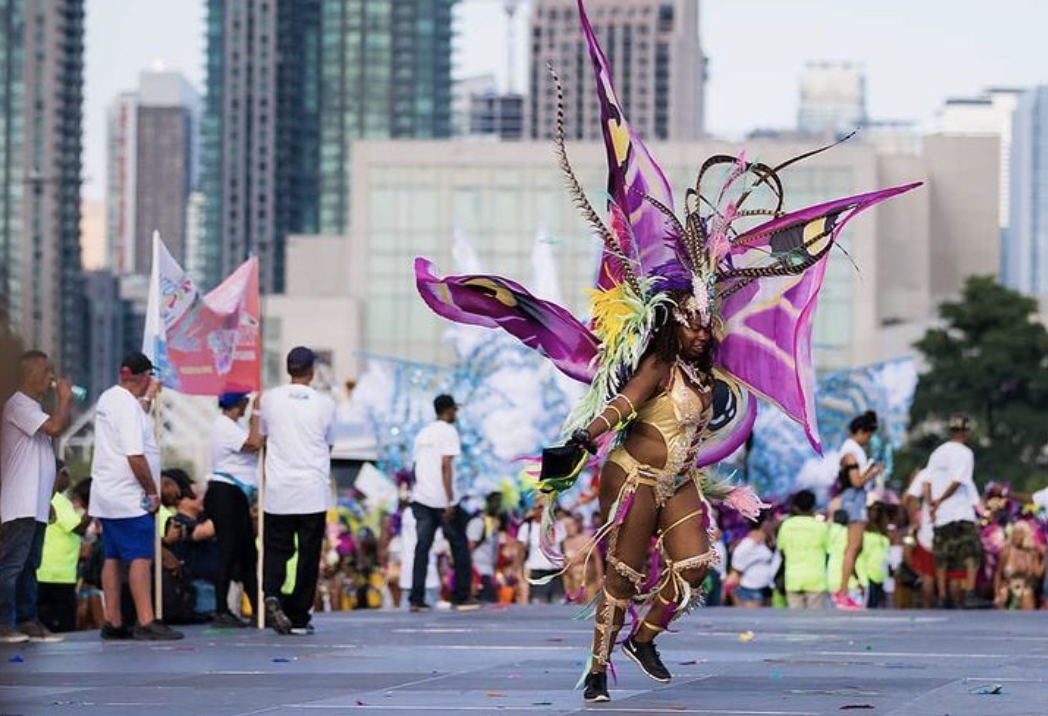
(410, 198)
(656, 60)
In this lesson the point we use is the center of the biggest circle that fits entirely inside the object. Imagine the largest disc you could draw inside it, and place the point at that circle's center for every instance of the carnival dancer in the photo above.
(690, 320)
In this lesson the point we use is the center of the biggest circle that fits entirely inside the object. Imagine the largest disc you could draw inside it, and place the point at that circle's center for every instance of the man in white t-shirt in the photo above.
(124, 497)
(951, 496)
(434, 502)
(298, 423)
(27, 478)
(230, 490)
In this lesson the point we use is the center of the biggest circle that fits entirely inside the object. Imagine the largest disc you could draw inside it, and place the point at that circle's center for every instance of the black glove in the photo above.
(581, 438)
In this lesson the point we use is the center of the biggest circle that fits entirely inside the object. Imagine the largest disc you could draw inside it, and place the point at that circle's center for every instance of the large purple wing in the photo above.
(651, 236)
(768, 319)
(495, 302)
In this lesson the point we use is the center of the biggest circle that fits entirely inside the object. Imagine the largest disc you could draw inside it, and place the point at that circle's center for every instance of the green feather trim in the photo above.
(623, 322)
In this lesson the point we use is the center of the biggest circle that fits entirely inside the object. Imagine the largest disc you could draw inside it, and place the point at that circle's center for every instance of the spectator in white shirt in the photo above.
(753, 565)
(27, 478)
(952, 496)
(230, 491)
(434, 502)
(299, 424)
(124, 497)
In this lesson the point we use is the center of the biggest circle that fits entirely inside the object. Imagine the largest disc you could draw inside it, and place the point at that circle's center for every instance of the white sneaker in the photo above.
(10, 635)
(39, 634)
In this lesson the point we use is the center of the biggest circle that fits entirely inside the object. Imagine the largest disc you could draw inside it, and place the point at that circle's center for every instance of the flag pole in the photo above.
(158, 554)
(260, 596)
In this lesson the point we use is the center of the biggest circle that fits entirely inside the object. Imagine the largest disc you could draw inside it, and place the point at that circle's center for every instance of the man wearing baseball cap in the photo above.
(124, 497)
(952, 496)
(298, 423)
(230, 491)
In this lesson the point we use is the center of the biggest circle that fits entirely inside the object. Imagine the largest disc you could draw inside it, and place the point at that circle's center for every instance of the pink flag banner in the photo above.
(205, 345)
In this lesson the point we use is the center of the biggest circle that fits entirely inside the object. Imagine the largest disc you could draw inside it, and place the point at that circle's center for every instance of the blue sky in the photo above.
(915, 52)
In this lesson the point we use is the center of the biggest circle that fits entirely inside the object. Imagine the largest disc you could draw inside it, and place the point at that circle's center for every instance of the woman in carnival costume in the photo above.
(690, 321)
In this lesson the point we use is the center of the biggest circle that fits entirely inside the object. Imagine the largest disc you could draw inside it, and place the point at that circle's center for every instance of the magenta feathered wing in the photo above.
(496, 302)
(768, 320)
(645, 234)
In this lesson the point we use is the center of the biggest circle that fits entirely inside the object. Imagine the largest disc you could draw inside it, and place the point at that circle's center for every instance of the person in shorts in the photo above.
(951, 495)
(855, 476)
(124, 498)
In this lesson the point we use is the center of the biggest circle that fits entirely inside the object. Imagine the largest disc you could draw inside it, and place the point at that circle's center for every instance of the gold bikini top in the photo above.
(677, 413)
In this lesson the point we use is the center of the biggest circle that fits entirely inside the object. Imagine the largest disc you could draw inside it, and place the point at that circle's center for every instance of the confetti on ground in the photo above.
(282, 659)
(855, 707)
(989, 690)
(495, 695)
(16, 659)
(541, 703)
(746, 636)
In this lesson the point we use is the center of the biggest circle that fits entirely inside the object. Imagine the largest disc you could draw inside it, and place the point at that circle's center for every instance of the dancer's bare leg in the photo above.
(687, 545)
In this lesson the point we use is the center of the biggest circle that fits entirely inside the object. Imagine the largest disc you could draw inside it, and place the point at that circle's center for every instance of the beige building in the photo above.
(410, 198)
(656, 60)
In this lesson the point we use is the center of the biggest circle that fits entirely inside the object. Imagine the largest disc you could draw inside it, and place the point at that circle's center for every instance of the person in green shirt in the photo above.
(870, 566)
(56, 577)
(802, 540)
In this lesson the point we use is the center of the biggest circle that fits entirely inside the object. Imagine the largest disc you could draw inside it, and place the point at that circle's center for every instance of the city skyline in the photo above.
(744, 91)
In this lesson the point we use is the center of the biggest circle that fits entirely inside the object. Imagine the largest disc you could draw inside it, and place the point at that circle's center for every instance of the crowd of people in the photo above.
(78, 554)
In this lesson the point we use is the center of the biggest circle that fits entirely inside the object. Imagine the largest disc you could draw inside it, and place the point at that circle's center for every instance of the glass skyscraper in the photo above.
(277, 135)
(41, 93)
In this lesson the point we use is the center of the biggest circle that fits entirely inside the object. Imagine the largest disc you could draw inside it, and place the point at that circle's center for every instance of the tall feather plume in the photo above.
(578, 196)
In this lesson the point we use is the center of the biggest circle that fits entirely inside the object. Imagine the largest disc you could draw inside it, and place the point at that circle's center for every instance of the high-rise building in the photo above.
(496, 115)
(833, 98)
(41, 93)
(120, 183)
(385, 73)
(1025, 261)
(152, 168)
(656, 60)
(165, 142)
(290, 84)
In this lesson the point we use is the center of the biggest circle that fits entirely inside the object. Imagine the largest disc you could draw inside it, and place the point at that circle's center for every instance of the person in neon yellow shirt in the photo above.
(802, 539)
(870, 566)
(56, 577)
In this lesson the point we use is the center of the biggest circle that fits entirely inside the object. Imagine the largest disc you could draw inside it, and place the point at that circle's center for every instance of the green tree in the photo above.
(988, 360)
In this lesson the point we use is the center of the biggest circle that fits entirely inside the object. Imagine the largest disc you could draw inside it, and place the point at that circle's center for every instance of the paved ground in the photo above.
(528, 659)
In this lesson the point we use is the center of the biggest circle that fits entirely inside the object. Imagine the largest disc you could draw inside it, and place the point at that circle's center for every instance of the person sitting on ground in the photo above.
(56, 577)
(190, 537)
(802, 542)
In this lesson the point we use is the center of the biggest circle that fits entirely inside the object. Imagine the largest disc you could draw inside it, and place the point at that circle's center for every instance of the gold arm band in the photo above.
(633, 408)
(606, 421)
